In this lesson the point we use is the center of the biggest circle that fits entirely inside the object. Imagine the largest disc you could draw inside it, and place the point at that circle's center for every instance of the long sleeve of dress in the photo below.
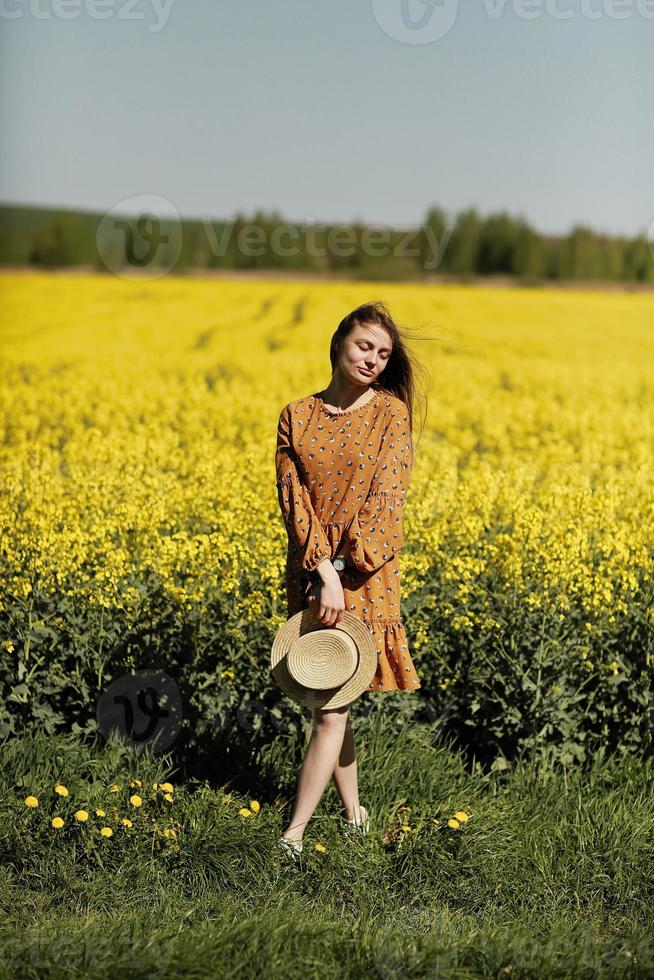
(302, 524)
(376, 532)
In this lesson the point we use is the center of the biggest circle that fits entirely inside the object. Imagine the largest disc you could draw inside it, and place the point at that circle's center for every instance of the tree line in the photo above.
(465, 246)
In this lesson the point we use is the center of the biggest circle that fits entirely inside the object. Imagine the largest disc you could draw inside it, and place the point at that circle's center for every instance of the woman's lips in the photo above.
(368, 374)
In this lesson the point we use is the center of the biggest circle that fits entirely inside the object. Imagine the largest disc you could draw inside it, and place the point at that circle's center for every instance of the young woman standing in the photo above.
(343, 461)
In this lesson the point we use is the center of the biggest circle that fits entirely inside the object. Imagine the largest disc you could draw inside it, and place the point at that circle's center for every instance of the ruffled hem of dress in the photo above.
(395, 669)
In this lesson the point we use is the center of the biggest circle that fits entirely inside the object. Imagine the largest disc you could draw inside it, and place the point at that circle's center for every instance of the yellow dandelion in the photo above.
(100, 813)
(114, 788)
(321, 848)
(254, 806)
(135, 799)
(453, 823)
(61, 790)
(169, 797)
(170, 832)
(31, 801)
(406, 828)
(107, 832)
(126, 822)
(81, 815)
(155, 786)
(57, 822)
(245, 812)
(461, 815)
(135, 782)
(166, 787)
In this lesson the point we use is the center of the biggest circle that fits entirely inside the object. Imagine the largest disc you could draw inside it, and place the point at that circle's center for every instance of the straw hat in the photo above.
(323, 666)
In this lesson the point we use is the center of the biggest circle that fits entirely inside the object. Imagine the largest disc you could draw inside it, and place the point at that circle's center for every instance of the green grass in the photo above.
(550, 877)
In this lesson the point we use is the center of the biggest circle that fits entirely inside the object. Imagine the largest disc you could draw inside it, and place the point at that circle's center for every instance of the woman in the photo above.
(344, 459)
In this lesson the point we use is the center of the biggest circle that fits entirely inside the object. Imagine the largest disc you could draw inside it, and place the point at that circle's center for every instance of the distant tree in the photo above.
(463, 246)
(639, 260)
(612, 252)
(580, 255)
(432, 241)
(530, 259)
(497, 240)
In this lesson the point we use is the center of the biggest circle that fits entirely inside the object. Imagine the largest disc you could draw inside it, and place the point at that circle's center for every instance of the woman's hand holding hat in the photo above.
(327, 600)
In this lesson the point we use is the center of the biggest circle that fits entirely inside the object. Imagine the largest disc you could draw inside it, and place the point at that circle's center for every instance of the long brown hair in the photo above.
(399, 375)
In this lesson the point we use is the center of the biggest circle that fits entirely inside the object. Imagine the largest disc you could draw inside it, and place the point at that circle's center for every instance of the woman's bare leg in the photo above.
(319, 763)
(346, 775)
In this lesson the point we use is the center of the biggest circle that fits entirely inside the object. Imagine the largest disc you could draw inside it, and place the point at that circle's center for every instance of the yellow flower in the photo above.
(169, 797)
(461, 815)
(170, 832)
(100, 813)
(321, 848)
(406, 828)
(31, 801)
(136, 782)
(126, 822)
(453, 823)
(155, 785)
(166, 787)
(106, 832)
(254, 806)
(114, 788)
(81, 815)
(57, 822)
(229, 672)
(245, 812)
(135, 799)
(61, 790)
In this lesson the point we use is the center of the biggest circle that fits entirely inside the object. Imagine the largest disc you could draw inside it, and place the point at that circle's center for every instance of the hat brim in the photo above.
(306, 621)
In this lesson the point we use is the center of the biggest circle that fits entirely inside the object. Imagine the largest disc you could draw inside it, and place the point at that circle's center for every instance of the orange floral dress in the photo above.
(344, 477)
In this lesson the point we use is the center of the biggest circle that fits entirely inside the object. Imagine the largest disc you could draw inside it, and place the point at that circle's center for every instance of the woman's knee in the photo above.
(331, 718)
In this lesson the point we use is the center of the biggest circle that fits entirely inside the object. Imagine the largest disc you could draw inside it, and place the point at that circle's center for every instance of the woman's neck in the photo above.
(345, 397)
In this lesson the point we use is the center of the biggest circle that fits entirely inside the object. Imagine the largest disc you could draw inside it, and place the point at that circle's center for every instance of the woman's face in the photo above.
(365, 353)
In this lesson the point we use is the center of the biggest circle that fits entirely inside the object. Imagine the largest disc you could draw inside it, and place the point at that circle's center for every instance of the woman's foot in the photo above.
(290, 848)
(360, 822)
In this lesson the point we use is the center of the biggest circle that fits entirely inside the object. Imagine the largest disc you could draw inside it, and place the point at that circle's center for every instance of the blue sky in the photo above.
(314, 109)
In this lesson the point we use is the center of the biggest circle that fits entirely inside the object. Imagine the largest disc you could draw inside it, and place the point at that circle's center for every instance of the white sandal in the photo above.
(290, 848)
(362, 825)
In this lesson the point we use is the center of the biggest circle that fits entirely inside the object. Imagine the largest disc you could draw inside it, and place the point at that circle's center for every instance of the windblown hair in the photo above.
(399, 375)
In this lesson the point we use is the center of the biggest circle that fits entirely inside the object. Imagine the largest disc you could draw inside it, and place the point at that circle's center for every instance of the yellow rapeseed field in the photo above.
(140, 419)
